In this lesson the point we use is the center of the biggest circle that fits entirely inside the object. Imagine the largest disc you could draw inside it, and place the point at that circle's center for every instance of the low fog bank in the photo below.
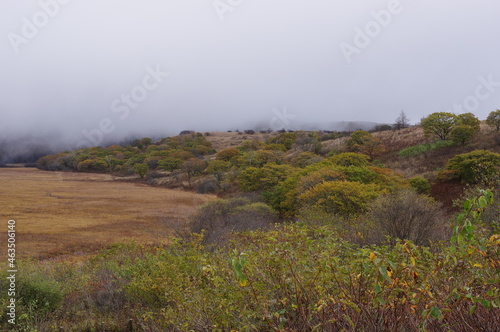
(29, 148)
(26, 150)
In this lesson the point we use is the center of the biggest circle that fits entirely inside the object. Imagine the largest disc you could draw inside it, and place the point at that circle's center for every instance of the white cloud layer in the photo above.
(231, 62)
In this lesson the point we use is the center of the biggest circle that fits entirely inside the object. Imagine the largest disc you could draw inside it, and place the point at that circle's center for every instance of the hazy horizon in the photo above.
(83, 72)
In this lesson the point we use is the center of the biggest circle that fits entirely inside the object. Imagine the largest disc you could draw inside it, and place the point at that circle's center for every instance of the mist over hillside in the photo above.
(29, 148)
(154, 68)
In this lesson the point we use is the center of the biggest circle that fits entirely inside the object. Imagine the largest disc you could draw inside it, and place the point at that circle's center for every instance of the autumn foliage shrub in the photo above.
(349, 159)
(304, 159)
(339, 197)
(264, 178)
(92, 165)
(228, 154)
(284, 196)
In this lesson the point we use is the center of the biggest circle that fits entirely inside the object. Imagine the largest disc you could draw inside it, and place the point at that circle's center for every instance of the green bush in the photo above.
(217, 166)
(251, 145)
(420, 184)
(170, 164)
(228, 154)
(343, 198)
(141, 170)
(285, 139)
(37, 292)
(480, 166)
(264, 178)
(327, 174)
(304, 159)
(349, 159)
(276, 147)
(249, 178)
(258, 158)
(283, 196)
(92, 165)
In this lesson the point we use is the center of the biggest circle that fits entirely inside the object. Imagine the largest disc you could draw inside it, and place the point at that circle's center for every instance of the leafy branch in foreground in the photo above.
(473, 209)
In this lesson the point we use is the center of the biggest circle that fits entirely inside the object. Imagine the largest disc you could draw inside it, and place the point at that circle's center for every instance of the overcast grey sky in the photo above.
(154, 67)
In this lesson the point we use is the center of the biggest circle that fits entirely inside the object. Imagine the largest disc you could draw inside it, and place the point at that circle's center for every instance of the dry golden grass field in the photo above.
(75, 213)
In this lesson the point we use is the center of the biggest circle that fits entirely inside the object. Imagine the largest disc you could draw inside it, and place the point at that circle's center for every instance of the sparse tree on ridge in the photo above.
(402, 121)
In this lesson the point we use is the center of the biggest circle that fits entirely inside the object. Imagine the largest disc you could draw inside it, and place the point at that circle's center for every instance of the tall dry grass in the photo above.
(63, 213)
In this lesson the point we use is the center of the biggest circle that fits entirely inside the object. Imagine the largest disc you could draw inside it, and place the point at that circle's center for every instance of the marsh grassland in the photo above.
(72, 213)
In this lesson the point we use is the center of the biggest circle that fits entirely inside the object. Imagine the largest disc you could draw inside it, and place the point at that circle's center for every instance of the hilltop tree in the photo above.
(402, 121)
(469, 119)
(439, 124)
(493, 119)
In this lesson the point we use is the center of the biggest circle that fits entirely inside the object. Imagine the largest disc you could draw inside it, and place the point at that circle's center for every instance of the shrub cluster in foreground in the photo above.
(294, 277)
